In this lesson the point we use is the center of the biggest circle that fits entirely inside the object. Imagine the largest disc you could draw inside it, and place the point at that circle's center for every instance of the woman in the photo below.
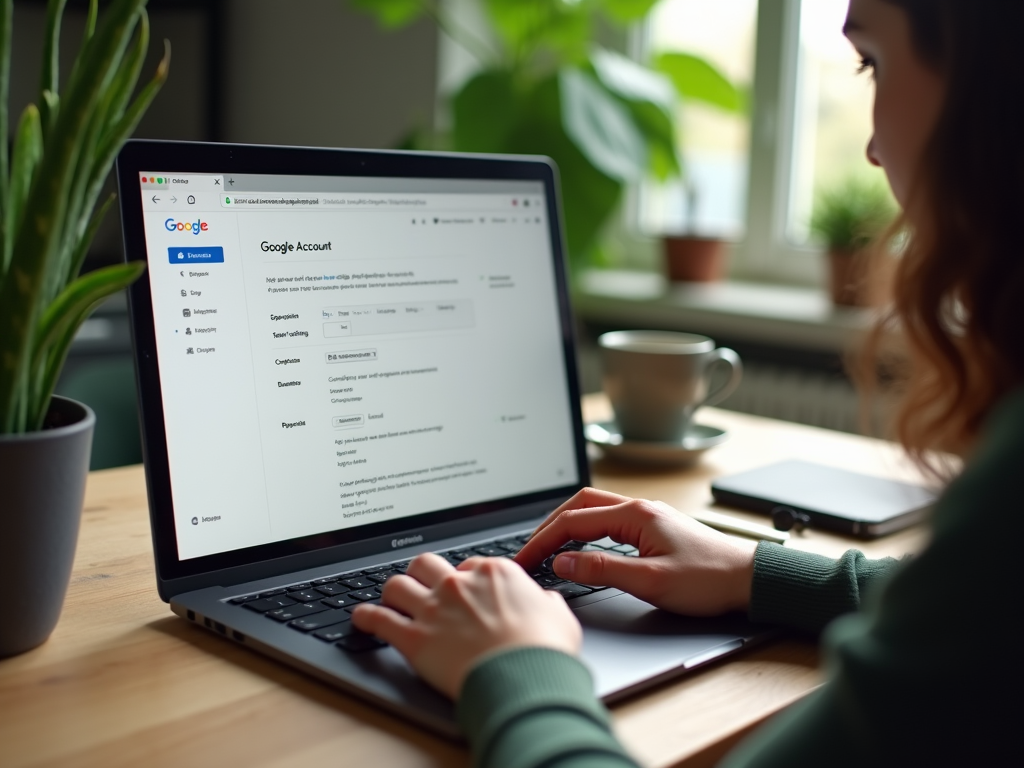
(924, 670)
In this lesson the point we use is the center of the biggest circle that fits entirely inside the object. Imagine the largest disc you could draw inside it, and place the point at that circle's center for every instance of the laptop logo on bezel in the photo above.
(398, 543)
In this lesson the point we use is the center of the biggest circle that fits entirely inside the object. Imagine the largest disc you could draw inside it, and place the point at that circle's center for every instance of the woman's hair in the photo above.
(958, 295)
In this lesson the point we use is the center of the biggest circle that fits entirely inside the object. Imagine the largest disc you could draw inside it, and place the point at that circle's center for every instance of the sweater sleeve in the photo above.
(531, 707)
(929, 671)
(806, 591)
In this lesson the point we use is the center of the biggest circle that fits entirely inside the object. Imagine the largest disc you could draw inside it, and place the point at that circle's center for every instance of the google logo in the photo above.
(183, 226)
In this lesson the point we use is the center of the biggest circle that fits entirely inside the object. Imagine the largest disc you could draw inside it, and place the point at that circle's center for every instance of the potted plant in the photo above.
(850, 220)
(50, 183)
(689, 256)
(544, 87)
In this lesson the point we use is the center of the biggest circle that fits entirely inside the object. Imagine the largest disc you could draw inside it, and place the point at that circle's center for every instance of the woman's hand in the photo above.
(443, 620)
(684, 566)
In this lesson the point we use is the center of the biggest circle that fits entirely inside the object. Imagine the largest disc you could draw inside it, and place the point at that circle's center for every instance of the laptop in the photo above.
(345, 359)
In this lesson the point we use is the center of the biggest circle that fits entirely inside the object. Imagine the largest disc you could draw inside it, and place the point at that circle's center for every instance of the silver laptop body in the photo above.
(347, 358)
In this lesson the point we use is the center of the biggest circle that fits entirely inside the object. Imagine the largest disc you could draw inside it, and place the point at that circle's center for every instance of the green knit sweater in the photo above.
(924, 667)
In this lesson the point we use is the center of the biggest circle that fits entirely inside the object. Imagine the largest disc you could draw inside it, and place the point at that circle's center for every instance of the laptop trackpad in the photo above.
(627, 642)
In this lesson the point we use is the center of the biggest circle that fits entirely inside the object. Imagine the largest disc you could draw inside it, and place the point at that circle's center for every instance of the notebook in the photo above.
(346, 358)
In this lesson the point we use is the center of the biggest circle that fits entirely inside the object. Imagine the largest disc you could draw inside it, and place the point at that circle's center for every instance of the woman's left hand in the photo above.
(443, 619)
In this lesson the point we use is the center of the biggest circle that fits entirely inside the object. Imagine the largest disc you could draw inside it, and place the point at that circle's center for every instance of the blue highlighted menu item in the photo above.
(207, 254)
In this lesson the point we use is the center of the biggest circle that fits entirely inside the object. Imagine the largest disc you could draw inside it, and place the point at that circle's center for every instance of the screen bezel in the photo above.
(190, 157)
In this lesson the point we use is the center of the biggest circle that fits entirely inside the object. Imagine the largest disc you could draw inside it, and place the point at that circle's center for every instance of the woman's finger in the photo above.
(623, 522)
(405, 595)
(390, 626)
(471, 563)
(607, 569)
(429, 569)
(588, 497)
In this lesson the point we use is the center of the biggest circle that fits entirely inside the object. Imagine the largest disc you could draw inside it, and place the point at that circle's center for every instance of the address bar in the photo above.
(287, 200)
(358, 201)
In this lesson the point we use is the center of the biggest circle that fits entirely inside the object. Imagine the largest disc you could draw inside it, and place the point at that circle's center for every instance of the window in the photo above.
(755, 177)
(833, 112)
(714, 144)
(809, 128)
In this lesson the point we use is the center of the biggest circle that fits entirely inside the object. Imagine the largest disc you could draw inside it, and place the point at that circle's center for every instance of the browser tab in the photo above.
(183, 183)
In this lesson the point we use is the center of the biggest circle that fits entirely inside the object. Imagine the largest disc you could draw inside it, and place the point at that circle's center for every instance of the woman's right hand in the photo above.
(684, 566)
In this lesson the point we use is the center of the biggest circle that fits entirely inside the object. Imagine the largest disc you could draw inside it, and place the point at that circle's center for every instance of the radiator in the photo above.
(802, 395)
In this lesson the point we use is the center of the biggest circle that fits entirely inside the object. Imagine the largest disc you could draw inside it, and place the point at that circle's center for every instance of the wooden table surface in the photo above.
(123, 682)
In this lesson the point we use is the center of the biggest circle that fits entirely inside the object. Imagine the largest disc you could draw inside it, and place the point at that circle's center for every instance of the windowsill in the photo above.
(802, 318)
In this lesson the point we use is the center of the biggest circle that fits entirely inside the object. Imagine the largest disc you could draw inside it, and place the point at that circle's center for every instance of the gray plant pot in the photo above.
(42, 486)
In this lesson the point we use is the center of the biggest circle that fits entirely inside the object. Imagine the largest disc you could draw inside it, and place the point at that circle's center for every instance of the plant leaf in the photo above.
(49, 78)
(127, 76)
(659, 131)
(588, 195)
(484, 113)
(51, 102)
(61, 321)
(651, 99)
(528, 26)
(633, 82)
(116, 125)
(852, 215)
(118, 133)
(391, 14)
(81, 248)
(28, 149)
(601, 127)
(6, 16)
(696, 78)
(90, 21)
(627, 11)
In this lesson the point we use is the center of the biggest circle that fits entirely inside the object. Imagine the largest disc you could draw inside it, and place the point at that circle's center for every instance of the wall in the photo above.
(316, 72)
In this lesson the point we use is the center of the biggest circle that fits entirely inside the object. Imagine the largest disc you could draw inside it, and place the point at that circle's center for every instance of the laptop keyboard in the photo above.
(322, 608)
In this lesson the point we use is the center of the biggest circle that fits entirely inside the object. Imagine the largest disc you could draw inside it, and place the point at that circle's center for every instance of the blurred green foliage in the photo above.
(851, 216)
(544, 87)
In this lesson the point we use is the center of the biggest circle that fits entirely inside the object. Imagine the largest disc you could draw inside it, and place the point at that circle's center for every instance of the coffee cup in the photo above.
(656, 380)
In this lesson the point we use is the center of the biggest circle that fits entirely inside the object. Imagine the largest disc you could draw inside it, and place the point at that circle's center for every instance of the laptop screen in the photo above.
(337, 352)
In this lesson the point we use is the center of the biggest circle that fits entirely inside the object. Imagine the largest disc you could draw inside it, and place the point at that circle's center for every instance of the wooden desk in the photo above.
(122, 682)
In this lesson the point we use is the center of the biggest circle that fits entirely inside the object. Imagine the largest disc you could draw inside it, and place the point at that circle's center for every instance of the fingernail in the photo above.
(565, 564)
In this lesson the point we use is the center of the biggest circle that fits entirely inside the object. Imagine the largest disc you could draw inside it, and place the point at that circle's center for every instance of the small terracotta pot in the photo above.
(858, 278)
(694, 259)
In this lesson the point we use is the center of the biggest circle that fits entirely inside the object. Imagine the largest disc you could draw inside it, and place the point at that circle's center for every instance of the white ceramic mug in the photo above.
(656, 380)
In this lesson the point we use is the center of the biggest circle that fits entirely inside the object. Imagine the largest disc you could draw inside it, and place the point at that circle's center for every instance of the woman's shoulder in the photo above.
(989, 488)
(1002, 438)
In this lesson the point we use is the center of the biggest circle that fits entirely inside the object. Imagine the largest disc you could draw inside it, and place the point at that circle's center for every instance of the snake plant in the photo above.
(50, 185)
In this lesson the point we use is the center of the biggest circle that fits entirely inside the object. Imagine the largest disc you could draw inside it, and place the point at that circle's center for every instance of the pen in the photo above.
(728, 524)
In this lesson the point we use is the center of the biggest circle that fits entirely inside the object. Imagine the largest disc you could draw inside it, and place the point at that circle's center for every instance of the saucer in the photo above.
(698, 439)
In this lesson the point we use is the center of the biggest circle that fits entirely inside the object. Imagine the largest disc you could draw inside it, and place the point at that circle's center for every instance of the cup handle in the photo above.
(730, 358)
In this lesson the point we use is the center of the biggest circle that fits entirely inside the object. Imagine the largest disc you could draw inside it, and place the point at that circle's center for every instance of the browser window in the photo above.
(335, 352)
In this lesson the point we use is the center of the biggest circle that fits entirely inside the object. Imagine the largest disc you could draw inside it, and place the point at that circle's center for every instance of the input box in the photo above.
(400, 317)
(334, 330)
(351, 356)
(348, 422)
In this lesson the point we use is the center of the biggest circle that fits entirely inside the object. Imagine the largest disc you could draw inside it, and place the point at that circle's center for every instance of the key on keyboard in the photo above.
(295, 611)
(321, 620)
(262, 606)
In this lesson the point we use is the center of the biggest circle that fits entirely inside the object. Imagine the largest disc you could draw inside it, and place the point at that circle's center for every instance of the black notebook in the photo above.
(831, 498)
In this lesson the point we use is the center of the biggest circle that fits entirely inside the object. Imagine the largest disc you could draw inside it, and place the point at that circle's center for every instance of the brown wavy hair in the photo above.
(958, 294)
